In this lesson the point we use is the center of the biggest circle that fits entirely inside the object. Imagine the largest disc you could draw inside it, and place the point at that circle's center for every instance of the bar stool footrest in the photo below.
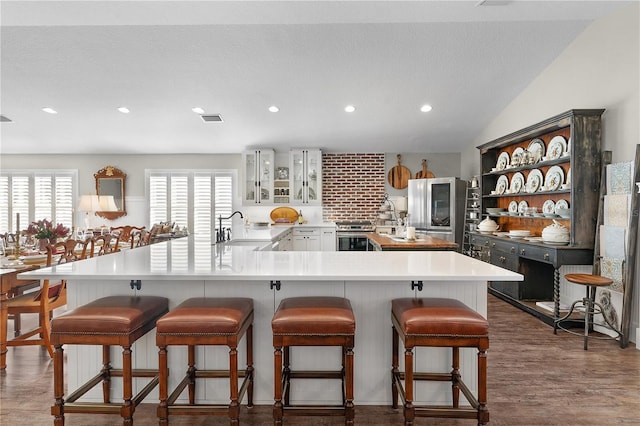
(312, 410)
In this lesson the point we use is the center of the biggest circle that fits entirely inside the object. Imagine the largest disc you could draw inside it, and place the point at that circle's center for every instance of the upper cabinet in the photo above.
(305, 168)
(548, 171)
(258, 176)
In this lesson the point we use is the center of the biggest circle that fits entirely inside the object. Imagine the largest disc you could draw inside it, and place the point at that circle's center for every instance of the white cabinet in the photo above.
(258, 179)
(306, 239)
(328, 239)
(305, 168)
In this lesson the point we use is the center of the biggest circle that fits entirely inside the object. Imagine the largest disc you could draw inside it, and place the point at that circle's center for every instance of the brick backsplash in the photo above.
(353, 186)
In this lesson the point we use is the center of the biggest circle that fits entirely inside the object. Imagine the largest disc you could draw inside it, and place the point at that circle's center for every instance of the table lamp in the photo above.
(89, 204)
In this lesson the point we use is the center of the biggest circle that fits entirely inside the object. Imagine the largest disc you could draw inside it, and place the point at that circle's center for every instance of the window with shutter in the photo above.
(37, 195)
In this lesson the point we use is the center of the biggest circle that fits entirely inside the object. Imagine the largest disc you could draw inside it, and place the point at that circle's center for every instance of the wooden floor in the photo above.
(535, 378)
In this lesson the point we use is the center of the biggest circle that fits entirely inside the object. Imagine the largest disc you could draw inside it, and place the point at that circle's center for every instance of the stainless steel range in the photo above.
(351, 235)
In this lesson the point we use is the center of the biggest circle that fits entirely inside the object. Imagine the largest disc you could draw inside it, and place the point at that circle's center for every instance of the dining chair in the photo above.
(106, 244)
(52, 295)
(124, 232)
(140, 238)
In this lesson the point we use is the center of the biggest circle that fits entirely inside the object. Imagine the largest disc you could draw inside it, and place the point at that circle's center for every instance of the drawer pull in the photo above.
(513, 249)
(503, 259)
(546, 256)
(493, 244)
(522, 252)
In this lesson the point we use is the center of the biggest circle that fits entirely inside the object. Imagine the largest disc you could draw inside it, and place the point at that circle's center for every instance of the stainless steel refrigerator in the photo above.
(436, 207)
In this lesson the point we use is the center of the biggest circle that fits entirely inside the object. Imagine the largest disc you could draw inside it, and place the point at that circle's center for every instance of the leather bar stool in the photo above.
(206, 321)
(313, 321)
(113, 320)
(591, 306)
(438, 322)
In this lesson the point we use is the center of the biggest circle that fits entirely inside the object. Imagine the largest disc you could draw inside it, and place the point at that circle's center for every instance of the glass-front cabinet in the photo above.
(258, 176)
(306, 176)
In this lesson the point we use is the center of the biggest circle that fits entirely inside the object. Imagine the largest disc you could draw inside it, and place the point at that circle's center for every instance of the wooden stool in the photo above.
(113, 320)
(438, 323)
(591, 307)
(313, 321)
(206, 321)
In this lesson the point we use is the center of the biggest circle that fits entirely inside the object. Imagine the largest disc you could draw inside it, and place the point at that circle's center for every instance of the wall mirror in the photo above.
(111, 181)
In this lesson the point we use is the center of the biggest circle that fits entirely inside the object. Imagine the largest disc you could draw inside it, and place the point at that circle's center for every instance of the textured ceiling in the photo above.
(311, 59)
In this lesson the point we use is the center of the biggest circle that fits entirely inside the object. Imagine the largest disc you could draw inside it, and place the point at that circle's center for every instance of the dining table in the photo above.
(8, 283)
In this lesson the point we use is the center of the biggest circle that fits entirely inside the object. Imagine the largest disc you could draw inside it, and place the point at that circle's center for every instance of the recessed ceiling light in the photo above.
(274, 108)
(124, 110)
(197, 110)
(50, 110)
(426, 108)
(349, 108)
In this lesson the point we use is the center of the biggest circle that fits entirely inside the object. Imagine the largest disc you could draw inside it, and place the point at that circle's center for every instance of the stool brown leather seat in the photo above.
(113, 320)
(438, 322)
(590, 305)
(313, 321)
(206, 321)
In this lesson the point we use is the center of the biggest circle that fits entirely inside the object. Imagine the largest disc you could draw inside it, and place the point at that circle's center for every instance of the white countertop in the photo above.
(272, 232)
(194, 258)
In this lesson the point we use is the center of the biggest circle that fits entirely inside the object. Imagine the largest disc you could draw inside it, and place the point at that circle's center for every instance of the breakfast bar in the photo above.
(193, 267)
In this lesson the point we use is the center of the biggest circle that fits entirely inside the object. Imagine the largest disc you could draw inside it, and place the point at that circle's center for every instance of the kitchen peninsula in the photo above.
(191, 267)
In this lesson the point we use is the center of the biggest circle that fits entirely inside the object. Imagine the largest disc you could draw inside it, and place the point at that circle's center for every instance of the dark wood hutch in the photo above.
(539, 262)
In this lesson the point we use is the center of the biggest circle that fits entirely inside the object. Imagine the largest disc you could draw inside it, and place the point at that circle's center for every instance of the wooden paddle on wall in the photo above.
(424, 173)
(399, 175)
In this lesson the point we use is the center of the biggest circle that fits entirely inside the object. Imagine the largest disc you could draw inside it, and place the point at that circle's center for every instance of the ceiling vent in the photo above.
(216, 118)
(5, 119)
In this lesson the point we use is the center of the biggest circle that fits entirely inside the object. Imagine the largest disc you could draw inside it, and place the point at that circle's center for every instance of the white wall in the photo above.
(600, 69)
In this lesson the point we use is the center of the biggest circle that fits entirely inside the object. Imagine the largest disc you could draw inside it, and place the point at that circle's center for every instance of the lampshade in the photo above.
(89, 203)
(108, 204)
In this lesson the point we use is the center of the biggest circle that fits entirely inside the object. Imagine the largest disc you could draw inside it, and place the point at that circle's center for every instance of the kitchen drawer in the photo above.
(538, 253)
(506, 246)
(504, 260)
(480, 241)
(306, 232)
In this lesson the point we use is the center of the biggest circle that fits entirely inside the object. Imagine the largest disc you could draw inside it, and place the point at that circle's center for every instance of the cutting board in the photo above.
(424, 173)
(399, 175)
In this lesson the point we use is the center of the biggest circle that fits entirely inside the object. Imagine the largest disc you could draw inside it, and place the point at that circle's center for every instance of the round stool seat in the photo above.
(589, 279)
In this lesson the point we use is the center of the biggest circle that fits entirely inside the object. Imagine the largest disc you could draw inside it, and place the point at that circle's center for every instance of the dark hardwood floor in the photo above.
(535, 378)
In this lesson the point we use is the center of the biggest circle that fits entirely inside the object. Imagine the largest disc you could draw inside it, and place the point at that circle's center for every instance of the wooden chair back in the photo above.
(107, 244)
(140, 238)
(124, 232)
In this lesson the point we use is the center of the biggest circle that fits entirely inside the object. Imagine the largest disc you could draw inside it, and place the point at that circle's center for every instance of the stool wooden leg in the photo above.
(277, 380)
(127, 387)
(483, 413)
(191, 372)
(349, 411)
(234, 406)
(455, 376)
(394, 367)
(287, 375)
(249, 337)
(409, 409)
(58, 386)
(106, 374)
(163, 411)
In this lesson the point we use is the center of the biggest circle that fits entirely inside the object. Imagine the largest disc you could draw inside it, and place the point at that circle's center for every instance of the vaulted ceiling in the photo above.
(84, 59)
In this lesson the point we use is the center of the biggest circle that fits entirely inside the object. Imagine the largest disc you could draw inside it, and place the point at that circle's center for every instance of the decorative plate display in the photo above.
(557, 147)
(554, 178)
(513, 207)
(522, 206)
(569, 176)
(534, 180)
(517, 183)
(502, 185)
(503, 161)
(516, 157)
(561, 204)
(549, 207)
(537, 149)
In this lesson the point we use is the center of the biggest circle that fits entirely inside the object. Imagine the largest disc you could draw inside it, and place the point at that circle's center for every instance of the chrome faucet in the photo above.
(220, 235)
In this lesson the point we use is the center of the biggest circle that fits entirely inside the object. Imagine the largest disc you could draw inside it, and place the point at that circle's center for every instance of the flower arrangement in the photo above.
(44, 229)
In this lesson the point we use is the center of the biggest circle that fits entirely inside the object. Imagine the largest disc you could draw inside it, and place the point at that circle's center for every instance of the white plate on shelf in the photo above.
(503, 161)
(522, 206)
(537, 149)
(561, 204)
(549, 207)
(516, 157)
(513, 207)
(517, 183)
(556, 243)
(569, 176)
(557, 147)
(502, 185)
(534, 180)
(554, 178)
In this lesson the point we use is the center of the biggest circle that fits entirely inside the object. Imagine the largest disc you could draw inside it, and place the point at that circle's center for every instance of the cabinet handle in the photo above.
(513, 249)
(493, 244)
(546, 256)
(503, 259)
(522, 252)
